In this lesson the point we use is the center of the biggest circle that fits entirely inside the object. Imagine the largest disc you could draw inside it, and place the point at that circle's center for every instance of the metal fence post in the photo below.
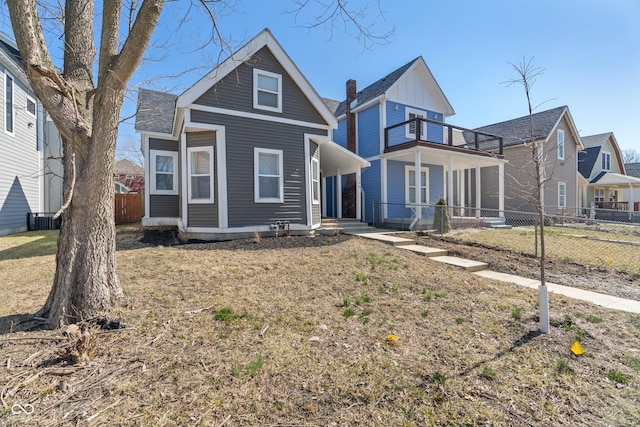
(536, 239)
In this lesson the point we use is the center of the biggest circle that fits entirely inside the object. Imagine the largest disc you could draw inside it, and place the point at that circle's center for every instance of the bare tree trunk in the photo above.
(86, 113)
(86, 282)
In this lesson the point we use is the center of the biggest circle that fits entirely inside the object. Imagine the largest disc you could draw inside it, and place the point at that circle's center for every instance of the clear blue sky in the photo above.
(589, 50)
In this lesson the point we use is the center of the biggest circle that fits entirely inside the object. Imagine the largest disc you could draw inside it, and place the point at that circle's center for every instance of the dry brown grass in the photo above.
(272, 345)
(618, 250)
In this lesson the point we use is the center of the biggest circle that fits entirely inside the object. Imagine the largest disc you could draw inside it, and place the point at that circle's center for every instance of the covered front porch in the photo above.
(337, 164)
(612, 196)
(461, 166)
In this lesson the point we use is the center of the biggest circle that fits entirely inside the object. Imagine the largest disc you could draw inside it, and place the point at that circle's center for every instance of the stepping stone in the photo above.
(424, 250)
(463, 263)
(394, 240)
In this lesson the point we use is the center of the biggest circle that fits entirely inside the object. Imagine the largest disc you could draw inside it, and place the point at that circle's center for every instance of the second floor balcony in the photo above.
(434, 134)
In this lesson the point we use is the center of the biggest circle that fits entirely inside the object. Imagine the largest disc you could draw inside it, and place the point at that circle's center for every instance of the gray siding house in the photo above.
(556, 134)
(242, 150)
(30, 169)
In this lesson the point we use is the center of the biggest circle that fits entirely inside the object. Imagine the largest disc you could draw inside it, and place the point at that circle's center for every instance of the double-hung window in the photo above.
(562, 195)
(163, 170)
(410, 129)
(606, 161)
(267, 90)
(9, 111)
(598, 195)
(200, 170)
(315, 181)
(560, 145)
(268, 176)
(413, 185)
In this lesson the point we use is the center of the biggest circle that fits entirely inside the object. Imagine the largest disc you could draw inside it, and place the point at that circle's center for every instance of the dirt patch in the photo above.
(604, 280)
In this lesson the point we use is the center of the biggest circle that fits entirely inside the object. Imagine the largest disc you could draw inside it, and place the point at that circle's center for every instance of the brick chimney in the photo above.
(349, 192)
(351, 118)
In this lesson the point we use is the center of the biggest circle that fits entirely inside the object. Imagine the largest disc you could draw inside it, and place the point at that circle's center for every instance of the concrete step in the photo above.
(349, 230)
(424, 250)
(463, 263)
(386, 238)
(344, 225)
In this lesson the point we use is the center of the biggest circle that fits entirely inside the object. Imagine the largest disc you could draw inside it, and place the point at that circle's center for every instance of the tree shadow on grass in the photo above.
(24, 322)
(517, 343)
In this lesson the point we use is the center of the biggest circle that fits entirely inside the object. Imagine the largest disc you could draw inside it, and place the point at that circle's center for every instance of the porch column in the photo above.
(461, 184)
(324, 196)
(630, 201)
(383, 189)
(478, 192)
(450, 201)
(359, 195)
(339, 195)
(501, 190)
(418, 182)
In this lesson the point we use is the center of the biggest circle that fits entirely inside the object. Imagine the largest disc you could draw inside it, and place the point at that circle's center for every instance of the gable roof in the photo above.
(127, 167)
(516, 131)
(593, 146)
(380, 87)
(156, 111)
(596, 140)
(12, 59)
(8, 47)
(633, 169)
(264, 39)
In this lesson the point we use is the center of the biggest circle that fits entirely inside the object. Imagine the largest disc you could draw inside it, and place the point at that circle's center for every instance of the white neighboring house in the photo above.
(30, 165)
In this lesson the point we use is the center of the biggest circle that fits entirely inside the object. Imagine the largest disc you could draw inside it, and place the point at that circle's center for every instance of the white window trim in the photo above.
(407, 130)
(315, 181)
(596, 195)
(256, 175)
(209, 150)
(608, 154)
(408, 169)
(563, 194)
(27, 99)
(152, 172)
(13, 102)
(560, 147)
(256, 73)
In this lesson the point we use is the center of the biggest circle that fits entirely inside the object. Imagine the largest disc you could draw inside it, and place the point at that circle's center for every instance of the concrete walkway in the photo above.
(480, 269)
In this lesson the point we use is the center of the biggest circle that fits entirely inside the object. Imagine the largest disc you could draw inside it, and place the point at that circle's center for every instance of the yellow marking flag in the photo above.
(576, 348)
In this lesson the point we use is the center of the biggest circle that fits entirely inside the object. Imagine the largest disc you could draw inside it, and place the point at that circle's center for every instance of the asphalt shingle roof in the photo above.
(155, 111)
(587, 159)
(633, 169)
(516, 131)
(375, 89)
(11, 52)
(595, 140)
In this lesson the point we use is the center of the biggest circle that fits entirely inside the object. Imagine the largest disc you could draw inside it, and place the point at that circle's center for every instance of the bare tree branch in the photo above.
(338, 12)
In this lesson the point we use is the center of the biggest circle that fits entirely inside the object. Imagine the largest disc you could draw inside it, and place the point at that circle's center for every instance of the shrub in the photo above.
(441, 218)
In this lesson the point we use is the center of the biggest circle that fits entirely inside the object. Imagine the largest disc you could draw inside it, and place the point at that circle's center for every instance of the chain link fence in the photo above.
(571, 236)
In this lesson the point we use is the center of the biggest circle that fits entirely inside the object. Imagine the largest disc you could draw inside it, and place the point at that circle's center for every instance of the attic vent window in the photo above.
(31, 106)
(267, 91)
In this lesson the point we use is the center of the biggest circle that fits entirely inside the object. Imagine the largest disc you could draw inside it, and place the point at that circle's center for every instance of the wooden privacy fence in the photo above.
(128, 207)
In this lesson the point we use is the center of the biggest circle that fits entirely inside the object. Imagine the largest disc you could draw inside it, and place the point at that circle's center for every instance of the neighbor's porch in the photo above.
(610, 195)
